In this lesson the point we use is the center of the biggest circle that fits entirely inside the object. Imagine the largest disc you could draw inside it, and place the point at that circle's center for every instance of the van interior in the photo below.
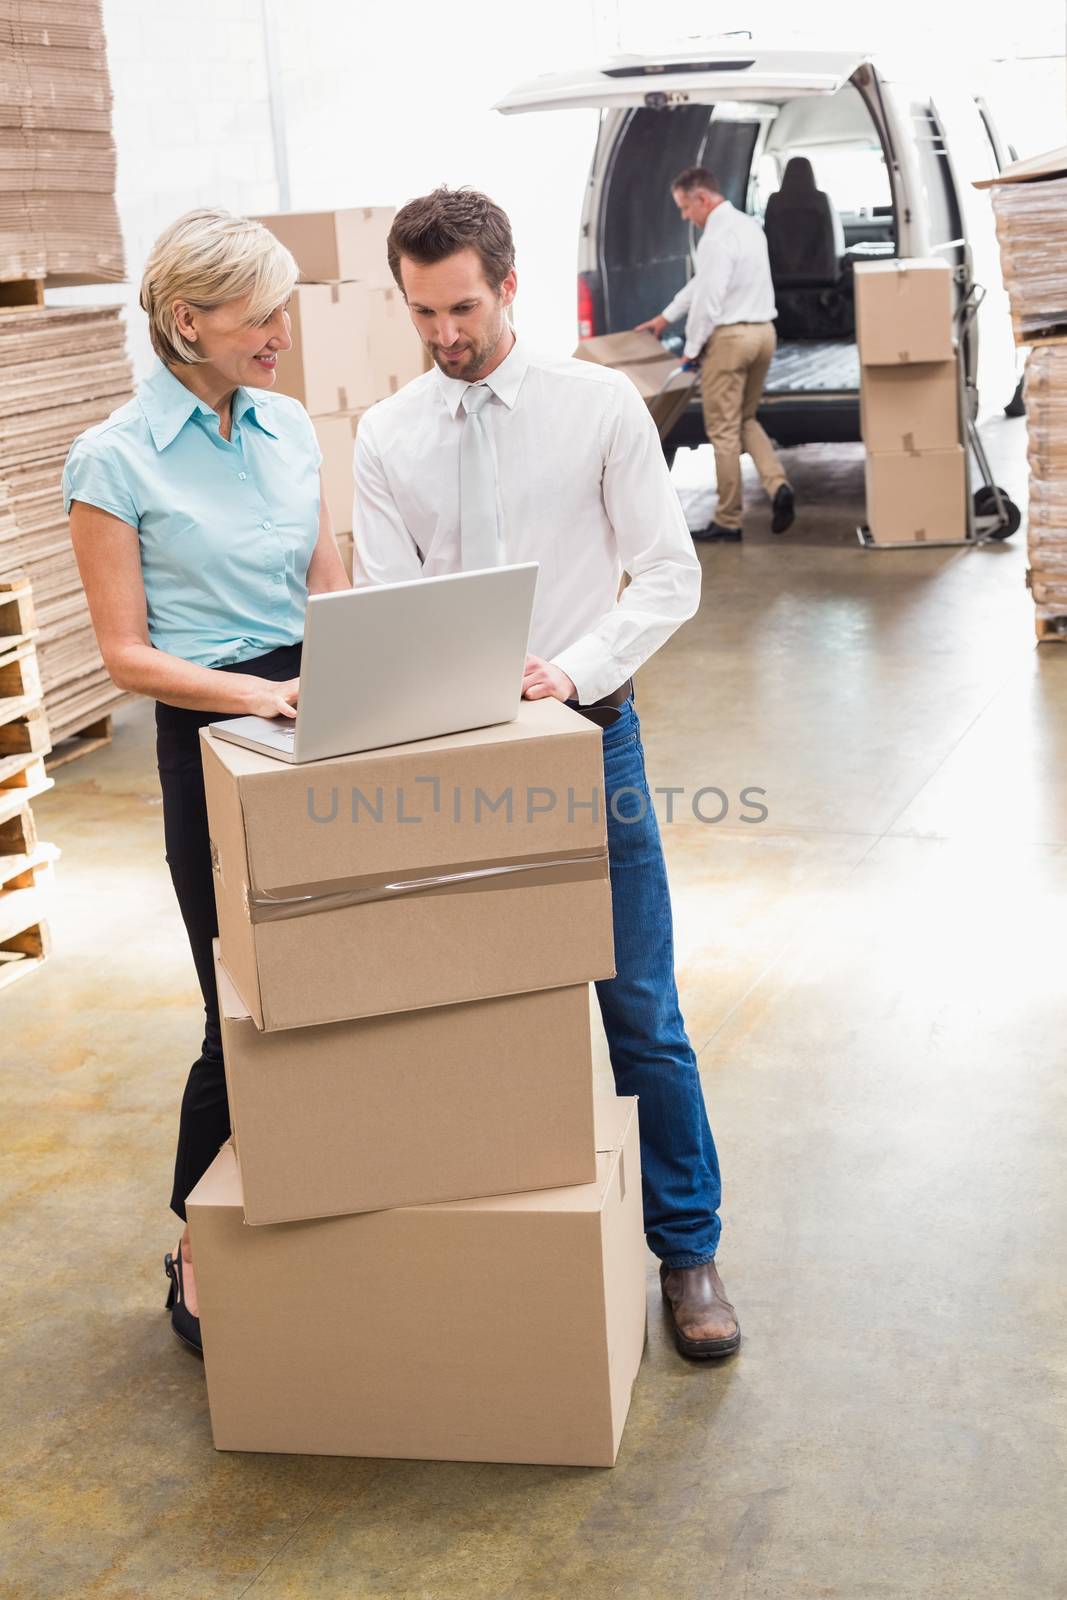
(814, 172)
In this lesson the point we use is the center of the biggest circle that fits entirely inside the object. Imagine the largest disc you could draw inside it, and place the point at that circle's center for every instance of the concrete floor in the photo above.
(874, 979)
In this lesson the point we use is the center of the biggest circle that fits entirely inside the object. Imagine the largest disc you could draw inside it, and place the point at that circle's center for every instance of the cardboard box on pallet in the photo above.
(337, 436)
(501, 1329)
(919, 496)
(328, 368)
(910, 408)
(904, 311)
(485, 1098)
(450, 869)
(333, 246)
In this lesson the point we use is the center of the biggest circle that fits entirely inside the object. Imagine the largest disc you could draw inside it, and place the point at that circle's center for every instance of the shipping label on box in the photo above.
(904, 311)
(919, 496)
(538, 1320)
(914, 407)
(337, 245)
(485, 1098)
(450, 869)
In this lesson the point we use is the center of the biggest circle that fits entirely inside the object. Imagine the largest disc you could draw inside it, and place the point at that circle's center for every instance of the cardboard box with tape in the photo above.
(328, 367)
(910, 408)
(395, 349)
(918, 496)
(651, 368)
(485, 1098)
(447, 870)
(337, 246)
(904, 311)
(316, 1338)
(337, 439)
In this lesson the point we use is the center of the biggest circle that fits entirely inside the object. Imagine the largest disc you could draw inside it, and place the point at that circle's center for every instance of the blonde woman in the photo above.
(200, 528)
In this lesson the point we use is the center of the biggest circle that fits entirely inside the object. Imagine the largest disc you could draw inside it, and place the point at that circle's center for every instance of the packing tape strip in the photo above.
(301, 900)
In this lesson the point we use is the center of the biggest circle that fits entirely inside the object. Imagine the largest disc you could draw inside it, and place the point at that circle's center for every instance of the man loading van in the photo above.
(729, 308)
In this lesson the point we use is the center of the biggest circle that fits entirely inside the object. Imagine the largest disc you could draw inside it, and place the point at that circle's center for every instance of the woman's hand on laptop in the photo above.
(268, 699)
(542, 681)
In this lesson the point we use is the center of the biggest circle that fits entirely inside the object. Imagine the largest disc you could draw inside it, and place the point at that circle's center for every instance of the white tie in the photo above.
(479, 533)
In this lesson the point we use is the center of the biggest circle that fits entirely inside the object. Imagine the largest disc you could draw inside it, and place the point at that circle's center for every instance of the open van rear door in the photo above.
(693, 75)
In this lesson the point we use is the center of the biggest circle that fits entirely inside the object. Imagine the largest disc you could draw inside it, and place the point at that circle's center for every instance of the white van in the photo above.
(892, 157)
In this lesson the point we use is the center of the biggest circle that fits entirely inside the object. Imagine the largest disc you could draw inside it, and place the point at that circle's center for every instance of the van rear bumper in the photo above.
(789, 419)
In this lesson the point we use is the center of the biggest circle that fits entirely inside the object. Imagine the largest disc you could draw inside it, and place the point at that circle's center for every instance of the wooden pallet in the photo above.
(1051, 629)
(18, 620)
(24, 937)
(92, 737)
(22, 292)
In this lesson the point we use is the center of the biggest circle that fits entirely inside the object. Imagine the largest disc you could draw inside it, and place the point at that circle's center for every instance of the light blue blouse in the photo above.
(226, 526)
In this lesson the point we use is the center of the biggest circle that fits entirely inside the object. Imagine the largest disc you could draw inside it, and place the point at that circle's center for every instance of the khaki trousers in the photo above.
(732, 374)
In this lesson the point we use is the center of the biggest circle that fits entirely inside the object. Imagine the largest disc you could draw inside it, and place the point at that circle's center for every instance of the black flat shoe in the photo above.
(717, 534)
(783, 509)
(185, 1326)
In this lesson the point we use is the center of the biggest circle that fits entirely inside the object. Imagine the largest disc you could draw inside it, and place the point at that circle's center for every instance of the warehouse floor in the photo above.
(874, 980)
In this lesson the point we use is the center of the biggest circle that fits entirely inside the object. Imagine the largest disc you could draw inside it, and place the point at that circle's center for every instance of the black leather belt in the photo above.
(608, 710)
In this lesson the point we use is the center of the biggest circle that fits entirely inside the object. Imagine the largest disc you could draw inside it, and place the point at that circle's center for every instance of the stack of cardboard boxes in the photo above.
(353, 342)
(910, 402)
(425, 1238)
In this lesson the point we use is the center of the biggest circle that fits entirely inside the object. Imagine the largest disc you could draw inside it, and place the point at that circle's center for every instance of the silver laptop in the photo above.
(402, 661)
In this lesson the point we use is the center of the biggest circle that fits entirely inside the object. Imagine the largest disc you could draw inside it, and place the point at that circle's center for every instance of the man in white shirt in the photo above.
(498, 455)
(729, 308)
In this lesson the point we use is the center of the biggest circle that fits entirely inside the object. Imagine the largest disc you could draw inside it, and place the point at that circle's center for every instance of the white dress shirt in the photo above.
(582, 488)
(732, 280)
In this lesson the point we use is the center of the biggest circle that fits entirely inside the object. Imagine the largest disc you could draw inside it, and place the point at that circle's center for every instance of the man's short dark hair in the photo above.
(696, 178)
(438, 225)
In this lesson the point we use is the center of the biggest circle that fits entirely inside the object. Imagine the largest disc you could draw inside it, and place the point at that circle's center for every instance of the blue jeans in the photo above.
(651, 1056)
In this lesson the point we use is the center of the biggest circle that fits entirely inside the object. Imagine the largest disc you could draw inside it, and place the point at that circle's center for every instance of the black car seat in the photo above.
(805, 239)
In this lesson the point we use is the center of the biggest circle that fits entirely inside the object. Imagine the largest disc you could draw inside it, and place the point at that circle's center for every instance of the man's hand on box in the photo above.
(654, 325)
(542, 681)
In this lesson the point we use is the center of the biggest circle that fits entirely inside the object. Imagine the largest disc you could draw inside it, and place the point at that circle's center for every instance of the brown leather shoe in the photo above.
(705, 1323)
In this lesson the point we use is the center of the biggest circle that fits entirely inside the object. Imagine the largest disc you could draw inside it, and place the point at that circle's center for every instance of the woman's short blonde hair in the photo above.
(205, 259)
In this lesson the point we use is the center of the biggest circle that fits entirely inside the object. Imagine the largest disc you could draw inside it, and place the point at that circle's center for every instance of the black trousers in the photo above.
(205, 1115)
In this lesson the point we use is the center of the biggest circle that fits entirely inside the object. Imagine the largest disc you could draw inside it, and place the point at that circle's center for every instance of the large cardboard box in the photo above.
(328, 367)
(337, 436)
(333, 245)
(920, 496)
(910, 408)
(465, 1100)
(502, 1329)
(904, 311)
(420, 875)
(396, 351)
(665, 390)
(651, 368)
(627, 349)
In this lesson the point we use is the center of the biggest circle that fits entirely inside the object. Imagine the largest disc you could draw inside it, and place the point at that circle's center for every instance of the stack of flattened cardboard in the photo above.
(62, 369)
(353, 342)
(1029, 198)
(910, 403)
(425, 1238)
(650, 367)
(58, 219)
(1030, 207)
(1046, 424)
